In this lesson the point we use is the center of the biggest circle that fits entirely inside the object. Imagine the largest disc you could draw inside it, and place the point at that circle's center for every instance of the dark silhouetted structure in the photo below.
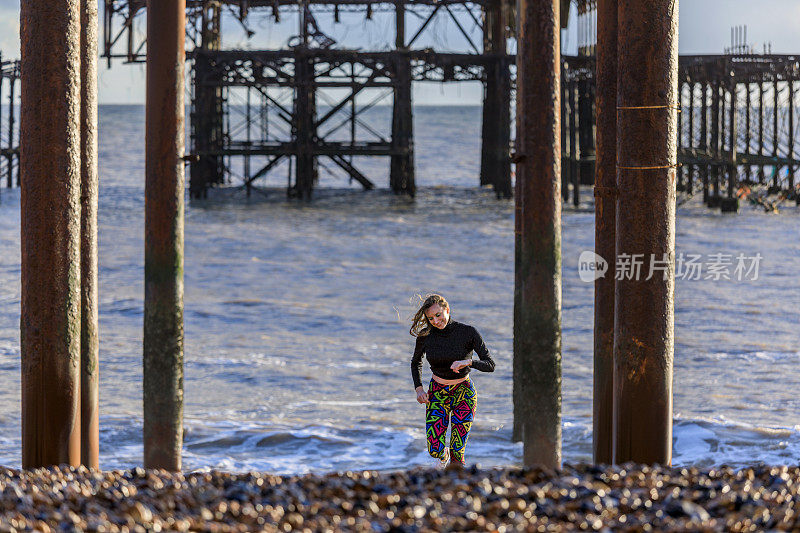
(243, 125)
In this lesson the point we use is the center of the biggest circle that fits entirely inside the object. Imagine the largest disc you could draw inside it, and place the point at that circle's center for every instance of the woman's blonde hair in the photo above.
(420, 326)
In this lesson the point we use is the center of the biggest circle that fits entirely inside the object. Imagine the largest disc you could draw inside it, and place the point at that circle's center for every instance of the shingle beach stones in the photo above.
(578, 497)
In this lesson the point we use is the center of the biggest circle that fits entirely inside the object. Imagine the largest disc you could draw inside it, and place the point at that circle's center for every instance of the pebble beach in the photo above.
(577, 497)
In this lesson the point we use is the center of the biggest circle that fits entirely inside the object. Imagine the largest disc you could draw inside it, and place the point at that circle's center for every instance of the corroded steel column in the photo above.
(90, 425)
(605, 213)
(495, 168)
(11, 108)
(50, 159)
(646, 149)
(304, 124)
(163, 263)
(518, 401)
(538, 359)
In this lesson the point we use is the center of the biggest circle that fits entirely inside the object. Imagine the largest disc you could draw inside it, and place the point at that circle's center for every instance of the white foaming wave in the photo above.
(707, 442)
(257, 359)
(754, 356)
(370, 364)
(241, 446)
(303, 450)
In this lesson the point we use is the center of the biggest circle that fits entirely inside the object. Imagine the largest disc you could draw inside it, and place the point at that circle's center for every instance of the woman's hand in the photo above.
(458, 365)
(422, 396)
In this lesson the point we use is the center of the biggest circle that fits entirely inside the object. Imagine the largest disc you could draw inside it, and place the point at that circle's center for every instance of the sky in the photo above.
(704, 27)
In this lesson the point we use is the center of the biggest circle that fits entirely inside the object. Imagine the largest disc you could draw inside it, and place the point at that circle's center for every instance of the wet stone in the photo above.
(583, 497)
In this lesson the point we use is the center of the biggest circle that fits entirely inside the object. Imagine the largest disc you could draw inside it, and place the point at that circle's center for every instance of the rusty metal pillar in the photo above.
(647, 153)
(776, 167)
(716, 144)
(790, 138)
(401, 175)
(605, 212)
(163, 247)
(90, 413)
(564, 138)
(50, 159)
(690, 140)
(304, 131)
(680, 185)
(519, 402)
(730, 203)
(704, 139)
(574, 176)
(586, 139)
(538, 359)
(733, 136)
(495, 165)
(489, 111)
(761, 128)
(401, 166)
(11, 126)
(747, 169)
(502, 182)
(208, 135)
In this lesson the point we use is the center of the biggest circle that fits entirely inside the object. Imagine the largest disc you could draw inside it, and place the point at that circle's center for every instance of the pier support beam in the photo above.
(163, 247)
(207, 111)
(401, 166)
(690, 140)
(537, 361)
(730, 203)
(586, 125)
(790, 134)
(573, 145)
(647, 152)
(401, 172)
(495, 137)
(304, 130)
(717, 111)
(605, 192)
(90, 412)
(11, 132)
(704, 138)
(565, 162)
(50, 144)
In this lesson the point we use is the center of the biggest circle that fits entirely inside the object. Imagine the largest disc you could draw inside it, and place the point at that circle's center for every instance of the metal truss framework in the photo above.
(239, 98)
(262, 106)
(737, 127)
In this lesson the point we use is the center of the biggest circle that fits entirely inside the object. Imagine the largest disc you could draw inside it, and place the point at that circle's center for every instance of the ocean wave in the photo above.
(239, 446)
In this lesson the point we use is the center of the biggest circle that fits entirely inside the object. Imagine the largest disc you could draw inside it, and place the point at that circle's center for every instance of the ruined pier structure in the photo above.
(737, 126)
(9, 122)
(254, 109)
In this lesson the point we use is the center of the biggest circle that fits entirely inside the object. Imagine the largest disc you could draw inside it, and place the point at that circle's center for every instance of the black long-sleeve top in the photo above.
(443, 347)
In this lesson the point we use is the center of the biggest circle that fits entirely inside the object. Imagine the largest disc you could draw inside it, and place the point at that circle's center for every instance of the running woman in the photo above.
(448, 346)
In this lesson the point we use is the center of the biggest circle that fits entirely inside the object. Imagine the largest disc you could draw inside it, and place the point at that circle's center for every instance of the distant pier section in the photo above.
(255, 113)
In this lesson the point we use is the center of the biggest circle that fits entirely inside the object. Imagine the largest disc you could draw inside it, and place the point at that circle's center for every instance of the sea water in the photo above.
(296, 315)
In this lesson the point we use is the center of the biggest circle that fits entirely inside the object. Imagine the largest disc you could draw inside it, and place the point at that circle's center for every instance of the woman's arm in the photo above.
(416, 362)
(486, 363)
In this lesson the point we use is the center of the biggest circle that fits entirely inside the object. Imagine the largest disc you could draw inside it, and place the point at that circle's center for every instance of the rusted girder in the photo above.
(605, 213)
(50, 155)
(90, 424)
(537, 360)
(646, 154)
(163, 262)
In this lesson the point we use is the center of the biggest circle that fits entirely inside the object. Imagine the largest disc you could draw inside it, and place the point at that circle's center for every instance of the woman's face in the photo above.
(437, 315)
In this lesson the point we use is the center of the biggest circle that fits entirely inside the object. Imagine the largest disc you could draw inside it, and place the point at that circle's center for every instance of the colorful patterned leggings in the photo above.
(458, 401)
